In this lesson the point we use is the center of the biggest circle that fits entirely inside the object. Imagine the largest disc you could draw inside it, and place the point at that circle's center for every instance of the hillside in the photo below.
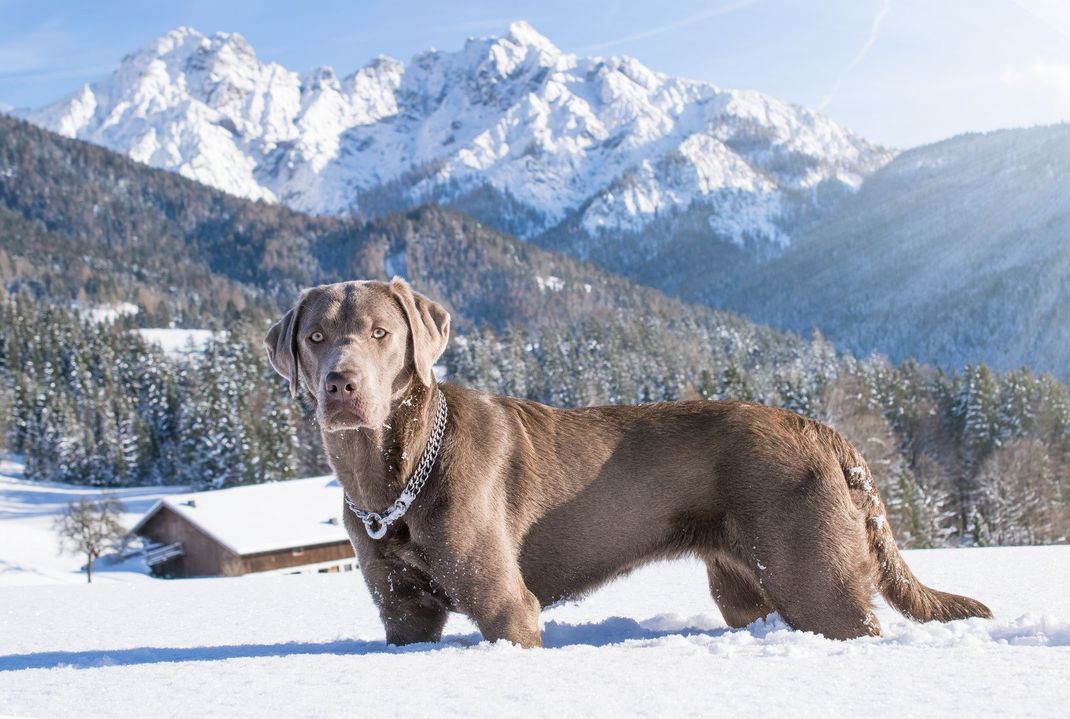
(955, 252)
(81, 223)
(952, 253)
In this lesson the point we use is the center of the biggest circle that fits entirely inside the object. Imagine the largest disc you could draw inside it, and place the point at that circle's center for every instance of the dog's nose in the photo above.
(340, 384)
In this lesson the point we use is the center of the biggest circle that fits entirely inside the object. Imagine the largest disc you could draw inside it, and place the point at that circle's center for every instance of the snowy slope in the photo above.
(651, 644)
(29, 553)
(955, 252)
(510, 128)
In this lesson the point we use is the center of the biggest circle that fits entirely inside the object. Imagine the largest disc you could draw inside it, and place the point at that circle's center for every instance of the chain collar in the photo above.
(375, 523)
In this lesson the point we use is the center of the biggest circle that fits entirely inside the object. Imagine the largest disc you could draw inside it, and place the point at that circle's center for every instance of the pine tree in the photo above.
(796, 395)
(980, 412)
(735, 384)
(978, 534)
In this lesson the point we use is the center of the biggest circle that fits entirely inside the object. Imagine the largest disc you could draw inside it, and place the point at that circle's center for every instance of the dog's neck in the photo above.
(373, 464)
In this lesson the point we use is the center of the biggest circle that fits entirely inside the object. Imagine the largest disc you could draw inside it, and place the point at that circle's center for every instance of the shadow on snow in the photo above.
(554, 635)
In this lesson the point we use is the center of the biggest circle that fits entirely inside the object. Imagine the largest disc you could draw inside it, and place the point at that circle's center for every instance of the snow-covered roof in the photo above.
(263, 517)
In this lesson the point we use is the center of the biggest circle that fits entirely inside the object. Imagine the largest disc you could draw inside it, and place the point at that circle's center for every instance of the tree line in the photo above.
(972, 456)
(95, 403)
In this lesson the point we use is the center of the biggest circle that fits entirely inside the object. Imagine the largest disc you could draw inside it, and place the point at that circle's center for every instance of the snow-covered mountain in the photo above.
(515, 131)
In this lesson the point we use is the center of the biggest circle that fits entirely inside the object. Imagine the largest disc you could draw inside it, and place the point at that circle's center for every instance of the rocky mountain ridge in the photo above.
(512, 130)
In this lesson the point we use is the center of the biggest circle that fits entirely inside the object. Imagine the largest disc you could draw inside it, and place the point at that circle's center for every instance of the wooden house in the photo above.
(283, 527)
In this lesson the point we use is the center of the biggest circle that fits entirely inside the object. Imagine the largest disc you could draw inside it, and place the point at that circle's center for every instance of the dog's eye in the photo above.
(378, 333)
(316, 337)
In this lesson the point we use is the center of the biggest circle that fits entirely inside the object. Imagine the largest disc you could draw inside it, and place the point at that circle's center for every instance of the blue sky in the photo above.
(901, 72)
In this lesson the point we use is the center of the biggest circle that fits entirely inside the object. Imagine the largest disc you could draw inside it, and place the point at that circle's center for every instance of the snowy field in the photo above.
(650, 644)
(29, 553)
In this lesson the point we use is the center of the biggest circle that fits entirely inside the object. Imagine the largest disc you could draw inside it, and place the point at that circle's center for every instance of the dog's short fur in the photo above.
(528, 504)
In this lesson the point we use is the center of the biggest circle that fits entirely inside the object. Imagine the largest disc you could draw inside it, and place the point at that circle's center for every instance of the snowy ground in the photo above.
(651, 644)
(29, 553)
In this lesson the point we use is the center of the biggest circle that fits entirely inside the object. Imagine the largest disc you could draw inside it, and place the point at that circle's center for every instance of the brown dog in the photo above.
(526, 504)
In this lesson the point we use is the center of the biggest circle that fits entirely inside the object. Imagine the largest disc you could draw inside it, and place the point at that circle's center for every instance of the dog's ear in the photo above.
(281, 346)
(429, 327)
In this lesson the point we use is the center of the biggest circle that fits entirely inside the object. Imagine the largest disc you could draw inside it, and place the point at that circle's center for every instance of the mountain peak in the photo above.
(234, 41)
(182, 39)
(180, 34)
(522, 33)
(178, 55)
(380, 62)
(508, 124)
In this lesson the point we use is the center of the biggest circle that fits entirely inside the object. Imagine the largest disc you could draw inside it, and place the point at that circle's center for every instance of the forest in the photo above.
(967, 457)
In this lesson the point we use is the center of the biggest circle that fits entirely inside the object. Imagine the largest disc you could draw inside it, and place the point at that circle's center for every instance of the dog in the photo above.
(520, 505)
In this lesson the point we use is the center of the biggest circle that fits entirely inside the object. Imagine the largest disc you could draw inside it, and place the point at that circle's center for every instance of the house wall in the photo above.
(289, 558)
(205, 557)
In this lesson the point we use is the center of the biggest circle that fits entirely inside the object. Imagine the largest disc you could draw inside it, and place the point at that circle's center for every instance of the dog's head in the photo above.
(356, 347)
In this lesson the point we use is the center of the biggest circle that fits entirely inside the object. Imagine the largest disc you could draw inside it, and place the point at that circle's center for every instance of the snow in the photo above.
(550, 283)
(107, 313)
(29, 552)
(178, 342)
(265, 517)
(606, 141)
(650, 644)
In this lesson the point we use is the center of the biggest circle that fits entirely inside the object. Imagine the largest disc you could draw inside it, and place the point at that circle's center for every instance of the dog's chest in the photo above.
(399, 549)
(407, 558)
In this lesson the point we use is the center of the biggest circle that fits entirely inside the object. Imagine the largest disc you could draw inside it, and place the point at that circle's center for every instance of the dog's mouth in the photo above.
(339, 416)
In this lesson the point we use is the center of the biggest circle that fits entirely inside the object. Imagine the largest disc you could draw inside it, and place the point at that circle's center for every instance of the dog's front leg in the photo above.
(508, 610)
(483, 576)
(409, 607)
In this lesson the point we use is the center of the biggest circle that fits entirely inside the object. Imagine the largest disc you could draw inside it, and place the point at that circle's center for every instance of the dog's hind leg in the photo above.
(819, 575)
(736, 591)
(814, 597)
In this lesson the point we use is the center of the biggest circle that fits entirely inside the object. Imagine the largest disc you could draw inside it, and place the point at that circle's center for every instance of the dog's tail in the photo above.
(896, 583)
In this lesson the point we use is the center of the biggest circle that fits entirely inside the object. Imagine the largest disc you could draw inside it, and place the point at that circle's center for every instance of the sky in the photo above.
(900, 72)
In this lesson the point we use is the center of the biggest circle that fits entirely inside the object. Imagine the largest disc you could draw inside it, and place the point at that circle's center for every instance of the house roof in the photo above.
(263, 517)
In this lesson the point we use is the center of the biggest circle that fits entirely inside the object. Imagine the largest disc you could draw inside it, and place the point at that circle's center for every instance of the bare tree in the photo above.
(90, 528)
